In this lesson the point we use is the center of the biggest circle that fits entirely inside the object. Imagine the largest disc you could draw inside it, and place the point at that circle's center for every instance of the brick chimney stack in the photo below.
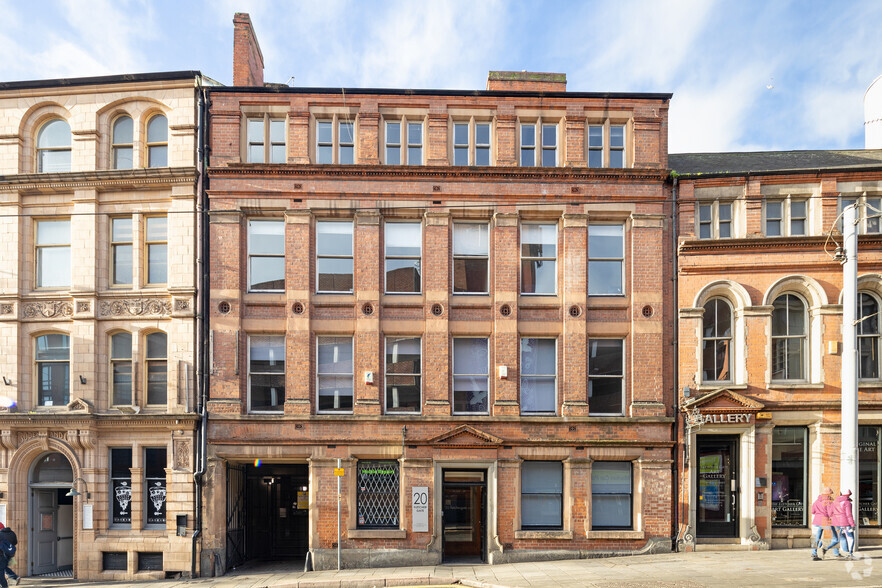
(247, 57)
(526, 81)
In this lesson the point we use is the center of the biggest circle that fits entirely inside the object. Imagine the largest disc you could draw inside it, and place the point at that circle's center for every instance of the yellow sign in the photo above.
(763, 416)
(302, 500)
(338, 471)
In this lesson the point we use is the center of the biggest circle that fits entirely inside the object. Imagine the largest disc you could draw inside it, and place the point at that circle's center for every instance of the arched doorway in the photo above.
(51, 515)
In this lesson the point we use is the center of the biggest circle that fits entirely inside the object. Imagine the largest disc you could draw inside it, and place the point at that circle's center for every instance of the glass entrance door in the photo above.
(717, 491)
(462, 515)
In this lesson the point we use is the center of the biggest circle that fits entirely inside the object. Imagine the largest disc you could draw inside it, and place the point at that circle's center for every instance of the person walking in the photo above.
(822, 519)
(843, 521)
(8, 543)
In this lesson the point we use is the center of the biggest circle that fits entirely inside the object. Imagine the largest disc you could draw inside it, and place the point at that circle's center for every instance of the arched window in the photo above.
(157, 141)
(868, 337)
(789, 328)
(123, 142)
(121, 368)
(716, 342)
(53, 147)
(52, 357)
(157, 368)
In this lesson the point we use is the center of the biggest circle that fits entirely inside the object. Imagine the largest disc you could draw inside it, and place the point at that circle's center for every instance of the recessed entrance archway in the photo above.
(51, 515)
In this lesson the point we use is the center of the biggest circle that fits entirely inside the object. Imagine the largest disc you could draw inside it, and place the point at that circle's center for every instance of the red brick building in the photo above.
(760, 341)
(461, 297)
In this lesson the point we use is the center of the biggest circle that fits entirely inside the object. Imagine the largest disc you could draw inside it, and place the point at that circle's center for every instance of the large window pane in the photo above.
(334, 253)
(121, 364)
(538, 258)
(606, 376)
(157, 249)
(716, 341)
(403, 251)
(606, 252)
(470, 375)
(377, 489)
(868, 476)
(157, 368)
(266, 369)
(868, 336)
(335, 373)
(403, 374)
(789, 477)
(611, 495)
(266, 255)
(542, 494)
(121, 486)
(52, 355)
(155, 463)
(538, 376)
(53, 147)
(53, 254)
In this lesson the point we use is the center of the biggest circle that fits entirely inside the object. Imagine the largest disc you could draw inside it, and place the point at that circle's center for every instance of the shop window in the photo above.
(265, 139)
(52, 355)
(716, 341)
(868, 214)
(53, 253)
(155, 462)
(715, 220)
(542, 495)
(606, 376)
(471, 143)
(868, 476)
(121, 486)
(403, 244)
(156, 244)
(606, 260)
(335, 374)
(868, 335)
(157, 368)
(157, 141)
(121, 368)
(403, 374)
(789, 476)
(611, 495)
(123, 138)
(333, 247)
(471, 258)
(377, 494)
(121, 243)
(538, 258)
(789, 338)
(538, 376)
(471, 375)
(53, 147)
(266, 373)
(266, 255)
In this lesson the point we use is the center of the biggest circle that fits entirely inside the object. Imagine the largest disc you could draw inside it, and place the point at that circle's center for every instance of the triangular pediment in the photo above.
(78, 404)
(466, 435)
(724, 400)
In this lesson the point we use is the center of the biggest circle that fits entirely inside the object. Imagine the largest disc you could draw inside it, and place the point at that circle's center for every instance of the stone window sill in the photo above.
(558, 535)
(795, 386)
(376, 533)
(615, 535)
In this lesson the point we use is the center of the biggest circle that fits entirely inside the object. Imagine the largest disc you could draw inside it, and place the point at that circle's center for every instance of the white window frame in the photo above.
(471, 145)
(457, 256)
(266, 120)
(541, 258)
(806, 337)
(114, 361)
(53, 148)
(563, 496)
(37, 362)
(621, 377)
(786, 219)
(151, 145)
(866, 203)
(731, 339)
(715, 220)
(37, 252)
(116, 147)
(621, 259)
(538, 147)
(630, 494)
(318, 374)
(606, 148)
(249, 255)
(336, 144)
(154, 360)
(319, 256)
(454, 375)
(114, 245)
(249, 373)
(404, 144)
(877, 336)
(528, 376)
(386, 374)
(148, 243)
(387, 257)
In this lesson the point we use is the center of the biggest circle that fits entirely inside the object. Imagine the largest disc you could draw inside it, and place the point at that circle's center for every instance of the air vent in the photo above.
(437, 309)
(647, 311)
(505, 310)
(224, 307)
(575, 311)
(297, 308)
(367, 309)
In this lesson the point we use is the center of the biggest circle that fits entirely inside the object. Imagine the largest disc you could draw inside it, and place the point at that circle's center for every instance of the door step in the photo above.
(721, 547)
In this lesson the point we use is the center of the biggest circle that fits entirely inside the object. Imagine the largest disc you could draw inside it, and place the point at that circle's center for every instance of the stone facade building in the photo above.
(98, 195)
(760, 341)
(460, 297)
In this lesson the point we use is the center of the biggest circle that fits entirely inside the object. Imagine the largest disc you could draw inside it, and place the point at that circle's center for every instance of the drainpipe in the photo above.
(201, 322)
(675, 429)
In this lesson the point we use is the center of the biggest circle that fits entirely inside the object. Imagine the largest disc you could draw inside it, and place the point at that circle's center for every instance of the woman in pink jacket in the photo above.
(843, 520)
(822, 513)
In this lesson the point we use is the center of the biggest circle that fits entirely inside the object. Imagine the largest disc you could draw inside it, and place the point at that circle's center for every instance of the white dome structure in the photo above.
(873, 115)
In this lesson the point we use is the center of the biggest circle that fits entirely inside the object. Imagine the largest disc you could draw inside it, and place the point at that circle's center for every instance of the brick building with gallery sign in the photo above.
(98, 194)
(760, 341)
(462, 296)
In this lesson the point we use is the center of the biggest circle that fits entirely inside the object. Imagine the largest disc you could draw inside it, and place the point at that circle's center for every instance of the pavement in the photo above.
(778, 568)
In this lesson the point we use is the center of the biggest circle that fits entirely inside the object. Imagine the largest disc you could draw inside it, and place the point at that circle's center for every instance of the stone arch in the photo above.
(136, 107)
(31, 121)
(734, 292)
(871, 283)
(807, 287)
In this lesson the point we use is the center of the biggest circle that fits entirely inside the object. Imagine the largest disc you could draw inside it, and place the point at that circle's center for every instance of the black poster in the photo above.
(122, 501)
(156, 502)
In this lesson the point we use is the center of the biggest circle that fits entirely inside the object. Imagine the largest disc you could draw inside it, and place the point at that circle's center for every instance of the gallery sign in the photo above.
(726, 419)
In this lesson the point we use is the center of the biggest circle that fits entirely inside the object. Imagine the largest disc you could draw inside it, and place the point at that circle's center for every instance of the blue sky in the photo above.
(746, 75)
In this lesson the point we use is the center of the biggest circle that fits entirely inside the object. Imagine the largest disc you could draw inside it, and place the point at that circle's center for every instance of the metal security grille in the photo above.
(235, 515)
(378, 494)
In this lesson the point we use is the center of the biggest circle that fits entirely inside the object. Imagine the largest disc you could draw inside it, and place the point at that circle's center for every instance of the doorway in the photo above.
(717, 486)
(267, 512)
(51, 515)
(463, 515)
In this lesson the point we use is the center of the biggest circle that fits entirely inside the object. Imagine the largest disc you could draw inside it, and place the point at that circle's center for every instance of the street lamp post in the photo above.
(848, 463)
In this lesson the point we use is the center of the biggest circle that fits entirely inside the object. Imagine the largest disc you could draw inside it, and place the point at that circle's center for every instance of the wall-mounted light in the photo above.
(73, 488)
(7, 381)
(83, 380)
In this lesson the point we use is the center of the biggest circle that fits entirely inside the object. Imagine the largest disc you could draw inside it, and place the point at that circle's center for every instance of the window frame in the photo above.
(115, 361)
(806, 465)
(620, 260)
(150, 243)
(115, 245)
(530, 527)
(620, 376)
(866, 225)
(319, 374)
(266, 121)
(116, 146)
(249, 255)
(150, 361)
(404, 145)
(250, 372)
(454, 375)
(387, 257)
(146, 497)
(320, 256)
(53, 148)
(39, 247)
(150, 146)
(630, 495)
(473, 257)
(471, 145)
(392, 496)
(804, 338)
(730, 348)
(126, 481)
(538, 146)
(540, 259)
(874, 339)
(605, 147)
(716, 221)
(387, 375)
(336, 121)
(787, 219)
(524, 376)
(38, 364)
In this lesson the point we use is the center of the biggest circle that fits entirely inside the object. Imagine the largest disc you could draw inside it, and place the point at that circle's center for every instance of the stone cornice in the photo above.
(759, 244)
(99, 179)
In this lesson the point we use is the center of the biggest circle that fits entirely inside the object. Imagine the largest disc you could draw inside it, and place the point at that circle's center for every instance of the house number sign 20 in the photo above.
(420, 509)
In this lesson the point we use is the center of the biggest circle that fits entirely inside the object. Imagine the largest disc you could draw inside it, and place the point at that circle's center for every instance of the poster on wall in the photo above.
(122, 498)
(156, 502)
